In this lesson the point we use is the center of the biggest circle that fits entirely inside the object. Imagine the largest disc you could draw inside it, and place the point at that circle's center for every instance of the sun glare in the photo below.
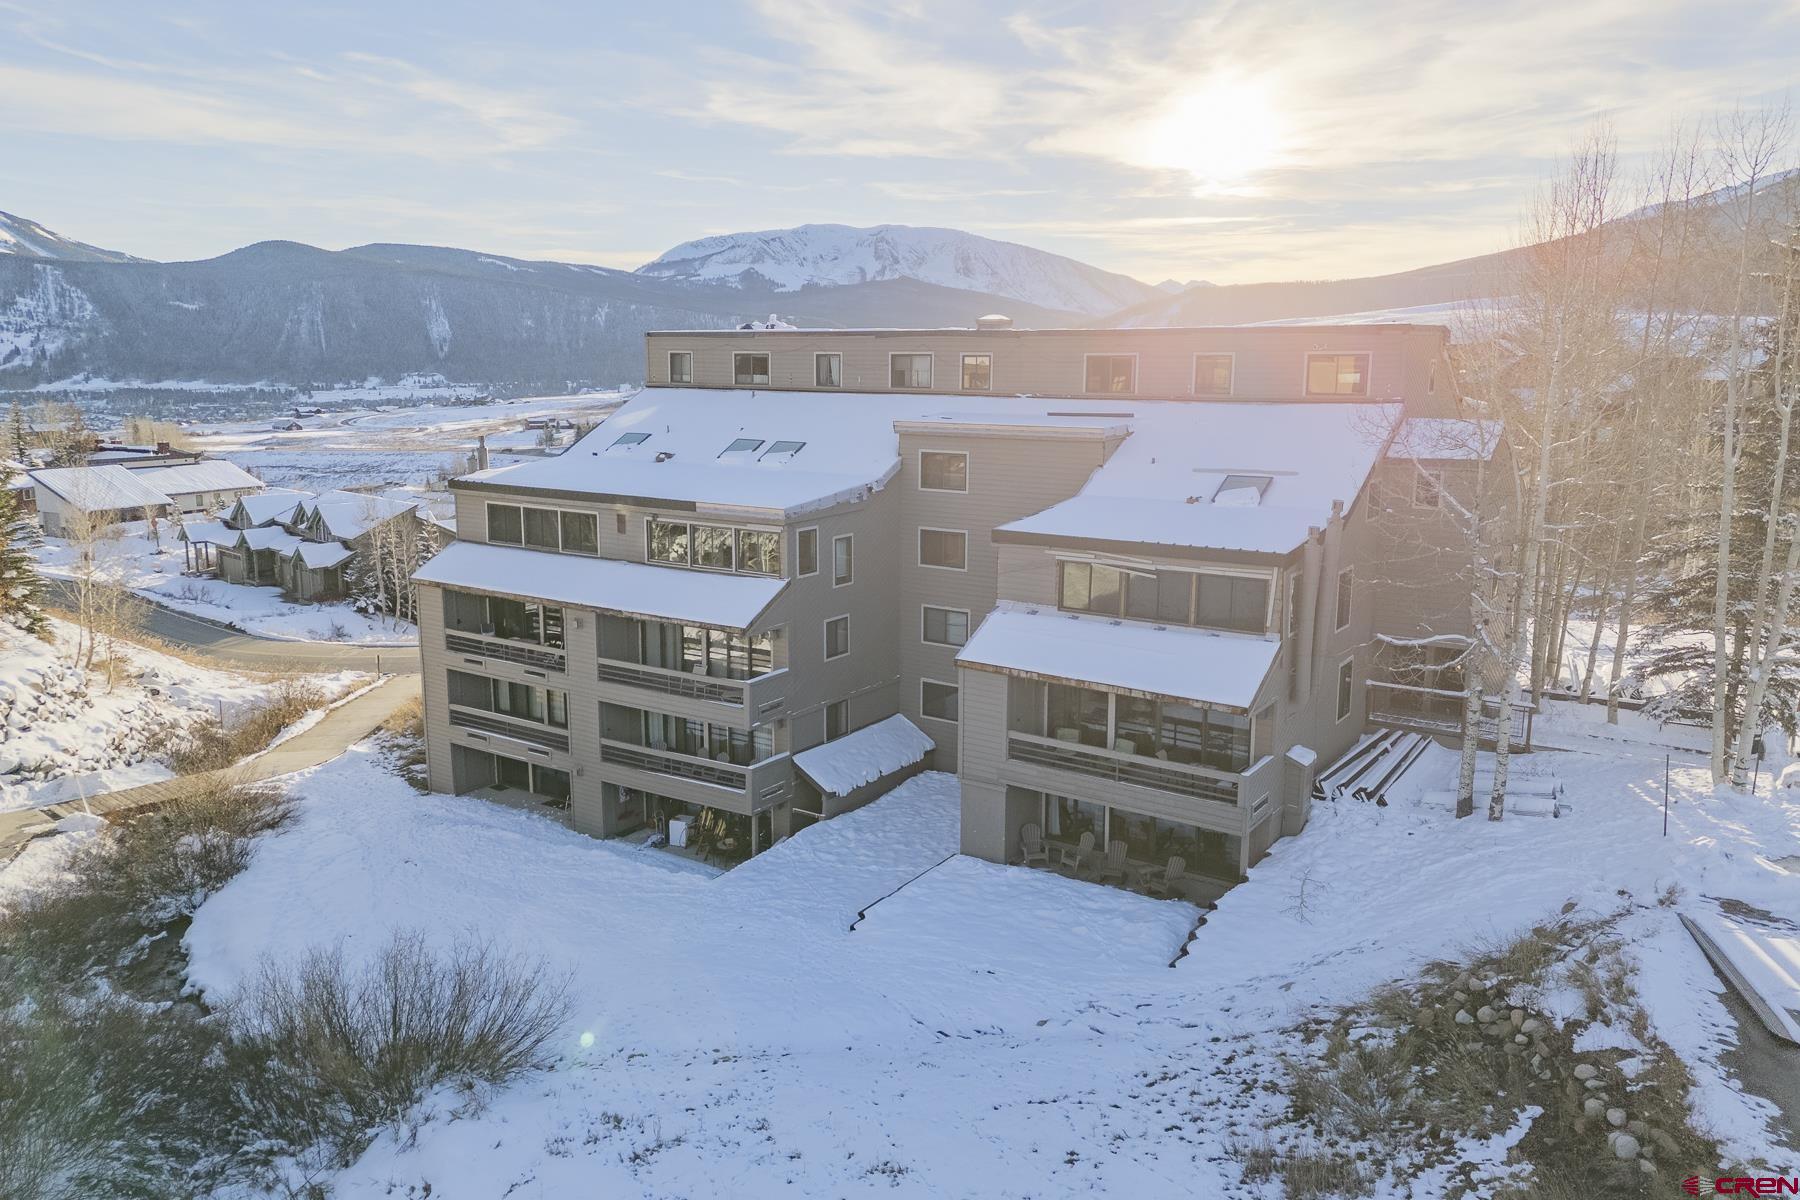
(1221, 133)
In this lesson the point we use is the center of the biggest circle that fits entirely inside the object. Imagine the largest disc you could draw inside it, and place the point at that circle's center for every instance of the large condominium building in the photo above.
(1126, 582)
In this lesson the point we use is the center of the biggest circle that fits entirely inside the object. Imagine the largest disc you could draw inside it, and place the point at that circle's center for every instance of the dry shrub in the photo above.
(212, 744)
(339, 1051)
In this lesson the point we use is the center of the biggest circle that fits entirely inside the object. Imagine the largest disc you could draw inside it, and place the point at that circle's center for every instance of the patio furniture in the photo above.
(1125, 746)
(1072, 859)
(1066, 734)
(1169, 882)
(1031, 843)
(1113, 869)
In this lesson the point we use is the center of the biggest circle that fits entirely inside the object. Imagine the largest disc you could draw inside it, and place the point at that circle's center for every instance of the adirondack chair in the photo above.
(1072, 859)
(1031, 843)
(1112, 870)
(1169, 882)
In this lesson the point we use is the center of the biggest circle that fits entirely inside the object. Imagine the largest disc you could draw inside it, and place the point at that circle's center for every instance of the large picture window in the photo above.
(1337, 374)
(909, 370)
(750, 370)
(828, 370)
(1166, 597)
(1112, 373)
(681, 366)
(713, 547)
(1212, 374)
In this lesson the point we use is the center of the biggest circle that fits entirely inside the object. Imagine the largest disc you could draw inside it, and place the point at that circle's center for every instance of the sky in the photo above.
(1233, 142)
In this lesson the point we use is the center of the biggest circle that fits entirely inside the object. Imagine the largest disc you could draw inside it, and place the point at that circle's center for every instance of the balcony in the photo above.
(528, 732)
(524, 654)
(723, 785)
(740, 704)
(1440, 711)
(1224, 801)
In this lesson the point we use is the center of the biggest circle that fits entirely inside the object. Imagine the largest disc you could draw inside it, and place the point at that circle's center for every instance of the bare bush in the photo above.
(340, 1051)
(212, 744)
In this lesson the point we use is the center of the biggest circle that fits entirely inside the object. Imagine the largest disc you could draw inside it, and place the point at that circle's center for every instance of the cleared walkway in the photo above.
(335, 732)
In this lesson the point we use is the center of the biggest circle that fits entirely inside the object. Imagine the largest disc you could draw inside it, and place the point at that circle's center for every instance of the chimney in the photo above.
(994, 321)
(481, 457)
(163, 448)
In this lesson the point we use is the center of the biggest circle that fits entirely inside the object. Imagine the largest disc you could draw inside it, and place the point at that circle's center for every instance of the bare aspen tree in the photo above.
(1749, 145)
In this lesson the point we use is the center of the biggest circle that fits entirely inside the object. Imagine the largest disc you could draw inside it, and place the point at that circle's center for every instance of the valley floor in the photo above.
(984, 1030)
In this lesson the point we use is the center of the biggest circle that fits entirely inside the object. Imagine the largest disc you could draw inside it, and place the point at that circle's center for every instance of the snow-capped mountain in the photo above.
(788, 260)
(28, 239)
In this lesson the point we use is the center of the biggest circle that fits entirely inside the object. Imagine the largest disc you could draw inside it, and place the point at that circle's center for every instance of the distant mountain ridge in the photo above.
(31, 240)
(786, 260)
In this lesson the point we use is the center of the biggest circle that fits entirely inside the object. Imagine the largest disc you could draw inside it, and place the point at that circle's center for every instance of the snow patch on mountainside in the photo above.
(837, 255)
(38, 321)
(28, 239)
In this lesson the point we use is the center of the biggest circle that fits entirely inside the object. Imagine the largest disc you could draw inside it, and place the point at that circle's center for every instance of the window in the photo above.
(1112, 373)
(1337, 374)
(843, 564)
(1346, 687)
(909, 370)
(943, 471)
(837, 719)
(938, 700)
(806, 552)
(541, 529)
(1232, 602)
(681, 367)
(580, 533)
(759, 551)
(713, 547)
(1345, 590)
(1166, 597)
(1428, 489)
(977, 372)
(630, 439)
(837, 637)
(505, 524)
(828, 370)
(944, 626)
(749, 369)
(782, 451)
(944, 548)
(1236, 489)
(1090, 587)
(666, 541)
(1212, 374)
(741, 446)
(497, 616)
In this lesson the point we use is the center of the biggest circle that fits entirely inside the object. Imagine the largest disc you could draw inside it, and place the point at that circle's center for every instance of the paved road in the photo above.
(234, 648)
(338, 730)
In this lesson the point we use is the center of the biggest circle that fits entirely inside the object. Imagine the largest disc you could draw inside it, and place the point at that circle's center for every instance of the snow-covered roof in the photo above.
(1445, 439)
(207, 475)
(99, 489)
(216, 532)
(840, 767)
(350, 514)
(319, 555)
(271, 505)
(1218, 669)
(851, 445)
(608, 585)
(1165, 485)
(269, 537)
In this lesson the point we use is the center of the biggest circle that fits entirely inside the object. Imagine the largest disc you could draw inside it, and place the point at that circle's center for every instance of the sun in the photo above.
(1221, 133)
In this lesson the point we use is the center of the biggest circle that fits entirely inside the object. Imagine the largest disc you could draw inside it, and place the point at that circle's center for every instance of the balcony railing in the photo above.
(1183, 779)
(524, 654)
(523, 731)
(762, 696)
(760, 783)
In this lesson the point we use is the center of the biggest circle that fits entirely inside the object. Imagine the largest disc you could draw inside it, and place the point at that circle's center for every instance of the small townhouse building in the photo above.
(307, 544)
(69, 498)
(203, 486)
(1131, 583)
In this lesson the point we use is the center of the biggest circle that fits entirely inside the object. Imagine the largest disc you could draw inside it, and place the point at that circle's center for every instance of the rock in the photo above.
(1485, 1015)
(1520, 1039)
(1665, 1139)
(1518, 1017)
(1615, 1117)
(1593, 1106)
(1463, 1017)
(1531, 1025)
(1586, 1071)
(1460, 996)
(1638, 1129)
(1625, 1146)
(1593, 1085)
(1646, 1166)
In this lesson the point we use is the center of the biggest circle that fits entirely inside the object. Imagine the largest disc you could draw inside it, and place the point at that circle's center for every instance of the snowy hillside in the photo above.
(837, 255)
(28, 239)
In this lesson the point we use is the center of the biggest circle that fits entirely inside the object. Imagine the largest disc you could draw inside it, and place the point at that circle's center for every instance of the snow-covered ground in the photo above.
(985, 1030)
(152, 567)
(64, 735)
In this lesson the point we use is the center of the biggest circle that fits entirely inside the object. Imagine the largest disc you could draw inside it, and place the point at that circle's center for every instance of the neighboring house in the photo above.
(18, 482)
(1138, 603)
(309, 545)
(68, 497)
(204, 486)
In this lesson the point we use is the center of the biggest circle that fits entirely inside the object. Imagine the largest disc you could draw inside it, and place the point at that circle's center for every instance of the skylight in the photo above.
(630, 439)
(1242, 490)
(782, 451)
(741, 446)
